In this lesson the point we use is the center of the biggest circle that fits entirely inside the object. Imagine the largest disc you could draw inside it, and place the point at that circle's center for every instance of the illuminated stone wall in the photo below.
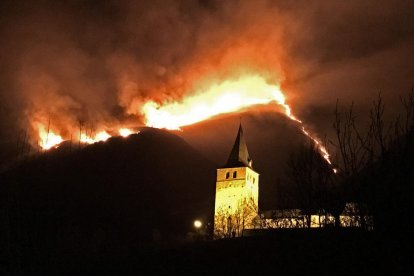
(237, 197)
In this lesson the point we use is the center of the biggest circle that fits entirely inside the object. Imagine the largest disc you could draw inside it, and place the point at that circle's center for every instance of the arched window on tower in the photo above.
(227, 175)
(235, 174)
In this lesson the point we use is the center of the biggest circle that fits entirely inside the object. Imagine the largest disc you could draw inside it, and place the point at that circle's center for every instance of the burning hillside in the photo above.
(228, 96)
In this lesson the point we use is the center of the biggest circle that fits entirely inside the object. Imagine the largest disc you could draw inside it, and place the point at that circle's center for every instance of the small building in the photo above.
(294, 218)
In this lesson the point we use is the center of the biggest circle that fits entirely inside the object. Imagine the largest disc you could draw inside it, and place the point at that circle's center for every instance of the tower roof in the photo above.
(239, 156)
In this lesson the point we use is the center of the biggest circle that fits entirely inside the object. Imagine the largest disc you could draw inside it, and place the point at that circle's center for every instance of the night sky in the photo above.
(99, 61)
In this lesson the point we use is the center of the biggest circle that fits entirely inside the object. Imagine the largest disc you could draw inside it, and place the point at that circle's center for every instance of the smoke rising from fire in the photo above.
(96, 63)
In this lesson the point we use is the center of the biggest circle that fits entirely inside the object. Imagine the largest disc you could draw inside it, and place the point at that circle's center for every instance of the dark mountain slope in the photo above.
(108, 196)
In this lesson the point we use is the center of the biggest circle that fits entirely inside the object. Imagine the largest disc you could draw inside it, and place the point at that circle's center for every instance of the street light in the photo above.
(197, 224)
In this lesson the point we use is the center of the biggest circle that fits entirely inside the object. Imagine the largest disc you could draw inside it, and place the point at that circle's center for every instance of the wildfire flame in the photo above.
(125, 132)
(99, 137)
(225, 97)
(48, 139)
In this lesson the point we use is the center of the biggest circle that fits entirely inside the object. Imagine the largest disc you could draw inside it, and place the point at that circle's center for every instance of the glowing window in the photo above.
(234, 174)
(227, 175)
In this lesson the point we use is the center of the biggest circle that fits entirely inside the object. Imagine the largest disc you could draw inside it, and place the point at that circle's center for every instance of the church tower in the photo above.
(237, 192)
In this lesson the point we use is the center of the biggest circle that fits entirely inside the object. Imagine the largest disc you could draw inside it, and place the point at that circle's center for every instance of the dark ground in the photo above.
(291, 252)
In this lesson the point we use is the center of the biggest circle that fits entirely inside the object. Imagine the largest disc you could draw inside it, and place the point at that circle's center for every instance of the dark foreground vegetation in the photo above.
(374, 158)
(297, 252)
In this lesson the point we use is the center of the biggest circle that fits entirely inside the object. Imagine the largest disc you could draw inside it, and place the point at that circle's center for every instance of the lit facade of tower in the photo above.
(237, 193)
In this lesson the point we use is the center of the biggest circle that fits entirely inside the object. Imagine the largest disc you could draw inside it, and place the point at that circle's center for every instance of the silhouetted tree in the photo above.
(243, 217)
(374, 159)
(311, 176)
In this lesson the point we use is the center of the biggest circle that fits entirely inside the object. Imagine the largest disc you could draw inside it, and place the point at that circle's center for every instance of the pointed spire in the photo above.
(239, 156)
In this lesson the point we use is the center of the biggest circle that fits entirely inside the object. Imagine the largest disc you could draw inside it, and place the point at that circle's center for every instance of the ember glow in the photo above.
(225, 97)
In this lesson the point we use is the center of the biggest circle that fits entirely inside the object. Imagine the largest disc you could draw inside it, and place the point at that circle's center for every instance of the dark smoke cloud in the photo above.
(98, 61)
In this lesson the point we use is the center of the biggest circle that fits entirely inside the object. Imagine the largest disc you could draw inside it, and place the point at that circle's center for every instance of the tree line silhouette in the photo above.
(373, 162)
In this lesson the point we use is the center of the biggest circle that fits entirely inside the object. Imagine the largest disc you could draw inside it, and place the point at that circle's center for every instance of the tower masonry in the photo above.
(237, 192)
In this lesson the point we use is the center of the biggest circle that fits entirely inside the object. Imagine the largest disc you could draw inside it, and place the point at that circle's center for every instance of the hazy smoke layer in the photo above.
(97, 62)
